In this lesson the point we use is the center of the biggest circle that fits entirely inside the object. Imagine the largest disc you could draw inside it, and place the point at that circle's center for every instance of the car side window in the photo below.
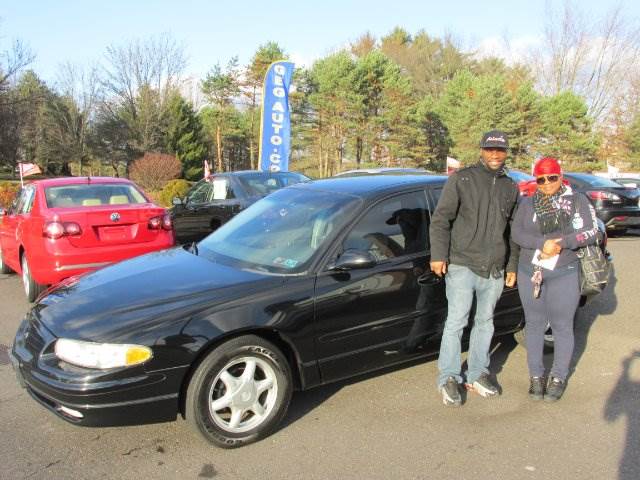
(222, 189)
(200, 193)
(392, 228)
(436, 193)
(27, 200)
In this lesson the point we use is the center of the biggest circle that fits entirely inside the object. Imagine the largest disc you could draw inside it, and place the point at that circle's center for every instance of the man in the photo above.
(470, 245)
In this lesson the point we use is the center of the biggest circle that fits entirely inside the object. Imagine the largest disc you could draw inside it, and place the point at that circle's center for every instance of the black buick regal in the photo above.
(314, 283)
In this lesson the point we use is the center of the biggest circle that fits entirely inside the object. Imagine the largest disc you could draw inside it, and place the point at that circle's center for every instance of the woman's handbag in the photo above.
(594, 270)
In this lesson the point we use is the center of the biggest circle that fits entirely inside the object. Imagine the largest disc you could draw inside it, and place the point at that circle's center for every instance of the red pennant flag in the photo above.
(452, 165)
(27, 169)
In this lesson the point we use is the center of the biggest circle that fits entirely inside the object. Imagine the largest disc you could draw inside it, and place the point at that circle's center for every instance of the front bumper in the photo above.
(88, 397)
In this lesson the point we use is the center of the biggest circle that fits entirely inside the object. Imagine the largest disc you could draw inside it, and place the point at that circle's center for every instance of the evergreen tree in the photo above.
(184, 137)
(567, 132)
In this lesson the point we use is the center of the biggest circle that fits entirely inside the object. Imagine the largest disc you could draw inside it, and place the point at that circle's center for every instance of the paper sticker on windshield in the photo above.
(285, 262)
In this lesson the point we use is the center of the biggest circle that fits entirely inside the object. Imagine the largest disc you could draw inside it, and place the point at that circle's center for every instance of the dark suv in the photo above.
(618, 207)
(212, 202)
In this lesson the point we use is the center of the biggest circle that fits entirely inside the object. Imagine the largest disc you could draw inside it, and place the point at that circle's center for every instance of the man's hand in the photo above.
(439, 268)
(552, 247)
(510, 281)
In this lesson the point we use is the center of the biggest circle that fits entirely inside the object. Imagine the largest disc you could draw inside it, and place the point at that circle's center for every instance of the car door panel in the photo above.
(373, 317)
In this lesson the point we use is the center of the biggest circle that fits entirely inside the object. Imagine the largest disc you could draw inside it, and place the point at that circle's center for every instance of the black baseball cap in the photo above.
(494, 139)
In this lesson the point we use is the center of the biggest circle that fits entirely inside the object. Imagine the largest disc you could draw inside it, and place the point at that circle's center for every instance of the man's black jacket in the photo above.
(470, 226)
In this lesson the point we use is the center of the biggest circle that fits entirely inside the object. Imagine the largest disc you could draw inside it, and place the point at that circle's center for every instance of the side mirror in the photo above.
(176, 201)
(353, 260)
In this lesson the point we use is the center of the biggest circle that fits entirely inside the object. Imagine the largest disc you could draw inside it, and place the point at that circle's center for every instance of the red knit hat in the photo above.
(547, 166)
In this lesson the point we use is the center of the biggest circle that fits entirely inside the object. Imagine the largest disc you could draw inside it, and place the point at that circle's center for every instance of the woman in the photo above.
(549, 227)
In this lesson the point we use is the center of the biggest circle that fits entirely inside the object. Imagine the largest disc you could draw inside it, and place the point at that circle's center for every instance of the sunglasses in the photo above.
(547, 179)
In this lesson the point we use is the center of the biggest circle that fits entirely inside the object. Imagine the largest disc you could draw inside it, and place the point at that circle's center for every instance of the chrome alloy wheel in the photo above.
(243, 394)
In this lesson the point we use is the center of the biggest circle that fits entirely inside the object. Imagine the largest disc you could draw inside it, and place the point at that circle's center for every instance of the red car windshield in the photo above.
(90, 195)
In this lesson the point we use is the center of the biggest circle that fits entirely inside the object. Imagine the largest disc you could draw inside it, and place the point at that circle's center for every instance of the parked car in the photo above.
(628, 182)
(212, 202)
(61, 227)
(315, 283)
(618, 207)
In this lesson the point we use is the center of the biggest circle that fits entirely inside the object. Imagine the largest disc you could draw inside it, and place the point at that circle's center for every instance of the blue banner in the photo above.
(275, 126)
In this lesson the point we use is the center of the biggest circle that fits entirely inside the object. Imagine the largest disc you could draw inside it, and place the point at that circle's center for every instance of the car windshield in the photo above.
(595, 181)
(520, 176)
(92, 194)
(282, 232)
(265, 183)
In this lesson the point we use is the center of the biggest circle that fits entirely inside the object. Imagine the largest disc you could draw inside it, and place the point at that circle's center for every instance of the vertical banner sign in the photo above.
(275, 125)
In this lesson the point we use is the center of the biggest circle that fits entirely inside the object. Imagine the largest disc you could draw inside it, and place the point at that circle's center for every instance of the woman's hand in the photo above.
(552, 247)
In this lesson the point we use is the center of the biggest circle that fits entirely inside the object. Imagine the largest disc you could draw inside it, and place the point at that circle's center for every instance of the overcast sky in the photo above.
(213, 31)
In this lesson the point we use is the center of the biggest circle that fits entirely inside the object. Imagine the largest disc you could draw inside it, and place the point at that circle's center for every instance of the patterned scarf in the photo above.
(553, 212)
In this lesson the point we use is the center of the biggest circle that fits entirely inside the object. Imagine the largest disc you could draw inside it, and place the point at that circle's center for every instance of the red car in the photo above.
(61, 227)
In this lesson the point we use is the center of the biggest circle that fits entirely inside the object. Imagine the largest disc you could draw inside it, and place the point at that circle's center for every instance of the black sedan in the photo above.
(317, 282)
(618, 207)
(212, 202)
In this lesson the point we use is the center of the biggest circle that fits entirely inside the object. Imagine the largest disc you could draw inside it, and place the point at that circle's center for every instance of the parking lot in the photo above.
(387, 425)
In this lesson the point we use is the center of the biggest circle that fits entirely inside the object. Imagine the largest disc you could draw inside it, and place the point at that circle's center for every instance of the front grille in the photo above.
(32, 339)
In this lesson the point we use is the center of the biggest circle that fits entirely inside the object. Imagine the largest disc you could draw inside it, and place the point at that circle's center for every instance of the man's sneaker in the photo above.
(555, 389)
(451, 393)
(536, 388)
(483, 386)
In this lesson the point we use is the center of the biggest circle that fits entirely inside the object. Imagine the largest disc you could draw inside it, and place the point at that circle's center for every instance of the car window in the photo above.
(436, 193)
(282, 232)
(221, 189)
(287, 179)
(92, 194)
(18, 200)
(595, 181)
(392, 228)
(266, 183)
(200, 192)
(26, 202)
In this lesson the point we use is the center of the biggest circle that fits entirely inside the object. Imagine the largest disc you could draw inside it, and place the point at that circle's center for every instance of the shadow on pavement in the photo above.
(623, 401)
(304, 402)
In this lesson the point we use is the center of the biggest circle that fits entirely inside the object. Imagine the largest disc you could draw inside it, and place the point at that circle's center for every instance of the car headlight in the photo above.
(101, 355)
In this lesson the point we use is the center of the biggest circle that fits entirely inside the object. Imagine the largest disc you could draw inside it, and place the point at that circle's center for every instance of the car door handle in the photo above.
(429, 278)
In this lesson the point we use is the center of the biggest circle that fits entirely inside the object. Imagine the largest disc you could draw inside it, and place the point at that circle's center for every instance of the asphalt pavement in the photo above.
(387, 425)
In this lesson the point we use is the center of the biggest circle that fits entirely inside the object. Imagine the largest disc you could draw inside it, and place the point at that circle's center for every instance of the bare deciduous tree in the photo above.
(589, 56)
(155, 169)
(140, 77)
(12, 61)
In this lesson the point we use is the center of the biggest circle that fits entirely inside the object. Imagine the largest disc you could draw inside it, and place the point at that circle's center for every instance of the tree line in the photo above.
(405, 99)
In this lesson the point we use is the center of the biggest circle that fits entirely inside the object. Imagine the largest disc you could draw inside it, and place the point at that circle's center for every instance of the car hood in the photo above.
(166, 287)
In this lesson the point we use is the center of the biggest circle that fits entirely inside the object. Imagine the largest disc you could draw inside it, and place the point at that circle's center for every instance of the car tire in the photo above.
(520, 337)
(3, 266)
(32, 289)
(231, 407)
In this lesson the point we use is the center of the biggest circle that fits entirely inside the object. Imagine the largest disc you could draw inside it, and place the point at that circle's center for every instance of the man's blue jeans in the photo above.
(461, 285)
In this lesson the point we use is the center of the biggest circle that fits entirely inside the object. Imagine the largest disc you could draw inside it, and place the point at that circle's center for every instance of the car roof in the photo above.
(55, 182)
(370, 185)
(386, 170)
(242, 173)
